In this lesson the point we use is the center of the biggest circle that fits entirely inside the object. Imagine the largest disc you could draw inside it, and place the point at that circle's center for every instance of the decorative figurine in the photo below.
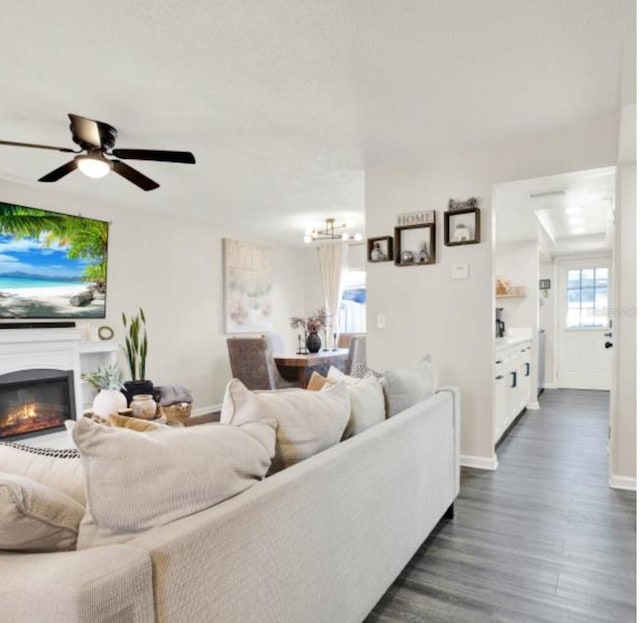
(423, 255)
(376, 253)
(461, 233)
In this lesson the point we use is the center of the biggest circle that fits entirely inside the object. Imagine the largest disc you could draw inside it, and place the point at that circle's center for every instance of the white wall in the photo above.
(624, 407)
(173, 270)
(428, 312)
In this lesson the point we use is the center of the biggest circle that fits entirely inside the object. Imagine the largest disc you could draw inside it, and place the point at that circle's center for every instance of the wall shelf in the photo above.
(94, 354)
(418, 241)
(511, 296)
(98, 347)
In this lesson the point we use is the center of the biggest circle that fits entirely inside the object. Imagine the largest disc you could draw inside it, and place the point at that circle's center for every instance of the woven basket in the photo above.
(176, 414)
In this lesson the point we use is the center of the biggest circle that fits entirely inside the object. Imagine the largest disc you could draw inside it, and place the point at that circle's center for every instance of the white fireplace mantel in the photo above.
(56, 349)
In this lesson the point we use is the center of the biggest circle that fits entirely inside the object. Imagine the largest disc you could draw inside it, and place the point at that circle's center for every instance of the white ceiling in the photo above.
(285, 102)
(569, 213)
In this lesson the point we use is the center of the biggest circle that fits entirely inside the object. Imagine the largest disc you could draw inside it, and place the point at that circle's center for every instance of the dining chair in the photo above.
(344, 339)
(251, 360)
(356, 364)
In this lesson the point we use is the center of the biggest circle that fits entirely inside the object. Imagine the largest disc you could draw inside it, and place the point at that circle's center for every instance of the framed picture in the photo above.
(415, 245)
(248, 306)
(545, 284)
(380, 249)
(462, 227)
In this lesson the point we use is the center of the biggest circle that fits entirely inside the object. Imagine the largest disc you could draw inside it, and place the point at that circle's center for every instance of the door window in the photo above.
(587, 298)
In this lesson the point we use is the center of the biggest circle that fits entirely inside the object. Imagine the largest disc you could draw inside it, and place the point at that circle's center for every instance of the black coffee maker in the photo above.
(500, 328)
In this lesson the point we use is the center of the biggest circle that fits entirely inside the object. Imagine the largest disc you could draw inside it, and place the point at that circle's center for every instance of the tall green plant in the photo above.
(136, 344)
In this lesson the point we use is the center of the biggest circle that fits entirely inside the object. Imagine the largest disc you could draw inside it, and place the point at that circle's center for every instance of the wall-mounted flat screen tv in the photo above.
(52, 265)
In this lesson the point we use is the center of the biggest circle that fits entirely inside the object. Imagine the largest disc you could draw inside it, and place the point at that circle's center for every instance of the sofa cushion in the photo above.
(337, 376)
(58, 469)
(367, 405)
(316, 382)
(405, 387)
(139, 480)
(308, 422)
(36, 518)
(365, 396)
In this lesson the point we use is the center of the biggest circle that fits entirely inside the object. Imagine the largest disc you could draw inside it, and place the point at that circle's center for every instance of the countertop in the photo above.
(505, 342)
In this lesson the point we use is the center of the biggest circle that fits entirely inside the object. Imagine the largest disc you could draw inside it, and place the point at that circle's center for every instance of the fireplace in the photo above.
(33, 401)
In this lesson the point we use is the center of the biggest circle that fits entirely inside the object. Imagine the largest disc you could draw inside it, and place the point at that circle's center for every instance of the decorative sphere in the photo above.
(406, 257)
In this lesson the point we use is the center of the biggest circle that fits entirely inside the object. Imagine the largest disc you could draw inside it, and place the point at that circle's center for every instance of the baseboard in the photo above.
(207, 410)
(550, 386)
(627, 483)
(479, 462)
(533, 405)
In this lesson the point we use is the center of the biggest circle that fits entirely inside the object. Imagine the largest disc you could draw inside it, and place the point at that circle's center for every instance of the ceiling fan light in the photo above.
(94, 166)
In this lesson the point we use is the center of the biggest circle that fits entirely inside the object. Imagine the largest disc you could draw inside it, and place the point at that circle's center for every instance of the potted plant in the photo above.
(135, 348)
(108, 381)
(311, 325)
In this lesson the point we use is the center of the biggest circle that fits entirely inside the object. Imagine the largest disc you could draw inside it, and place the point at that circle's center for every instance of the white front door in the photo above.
(583, 303)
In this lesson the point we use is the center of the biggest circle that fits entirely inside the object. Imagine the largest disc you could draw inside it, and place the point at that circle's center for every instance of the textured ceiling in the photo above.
(285, 102)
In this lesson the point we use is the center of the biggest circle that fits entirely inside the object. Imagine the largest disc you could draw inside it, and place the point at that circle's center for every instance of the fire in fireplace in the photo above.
(32, 401)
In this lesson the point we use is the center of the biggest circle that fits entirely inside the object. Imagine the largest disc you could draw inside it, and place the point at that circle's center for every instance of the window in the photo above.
(353, 309)
(587, 298)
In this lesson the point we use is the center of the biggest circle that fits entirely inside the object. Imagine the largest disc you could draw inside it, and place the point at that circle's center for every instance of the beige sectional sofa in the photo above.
(319, 542)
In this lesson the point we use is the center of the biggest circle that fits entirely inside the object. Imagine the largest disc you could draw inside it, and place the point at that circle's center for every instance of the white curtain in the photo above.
(332, 263)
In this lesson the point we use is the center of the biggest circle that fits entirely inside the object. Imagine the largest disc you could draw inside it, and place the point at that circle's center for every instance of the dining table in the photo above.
(298, 367)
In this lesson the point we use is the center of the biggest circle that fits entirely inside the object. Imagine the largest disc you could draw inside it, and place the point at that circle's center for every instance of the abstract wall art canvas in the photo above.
(248, 287)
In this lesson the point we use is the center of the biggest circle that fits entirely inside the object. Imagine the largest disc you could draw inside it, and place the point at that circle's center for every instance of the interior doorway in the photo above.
(554, 243)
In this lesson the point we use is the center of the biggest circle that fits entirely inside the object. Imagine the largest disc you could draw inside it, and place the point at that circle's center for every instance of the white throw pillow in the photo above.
(36, 518)
(308, 422)
(63, 474)
(367, 405)
(139, 480)
(405, 387)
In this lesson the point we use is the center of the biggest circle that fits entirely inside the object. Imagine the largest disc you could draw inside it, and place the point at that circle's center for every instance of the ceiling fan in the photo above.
(97, 139)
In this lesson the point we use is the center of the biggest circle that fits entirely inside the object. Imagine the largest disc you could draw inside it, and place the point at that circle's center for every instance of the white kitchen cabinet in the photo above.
(512, 384)
(502, 398)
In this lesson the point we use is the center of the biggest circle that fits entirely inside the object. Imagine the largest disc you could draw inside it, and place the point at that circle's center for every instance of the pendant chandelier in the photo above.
(331, 231)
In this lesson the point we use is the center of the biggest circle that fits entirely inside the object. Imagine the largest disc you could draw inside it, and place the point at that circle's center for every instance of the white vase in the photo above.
(144, 406)
(108, 401)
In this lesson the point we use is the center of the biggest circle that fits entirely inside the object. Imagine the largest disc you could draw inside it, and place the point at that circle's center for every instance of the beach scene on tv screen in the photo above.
(51, 265)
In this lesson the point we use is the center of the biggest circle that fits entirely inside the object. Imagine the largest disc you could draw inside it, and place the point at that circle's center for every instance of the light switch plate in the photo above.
(381, 321)
(460, 271)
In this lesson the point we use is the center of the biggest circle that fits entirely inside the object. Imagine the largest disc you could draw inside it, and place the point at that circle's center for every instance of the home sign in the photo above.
(416, 218)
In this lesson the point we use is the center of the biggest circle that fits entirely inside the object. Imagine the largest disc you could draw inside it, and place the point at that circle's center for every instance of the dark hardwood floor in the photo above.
(543, 538)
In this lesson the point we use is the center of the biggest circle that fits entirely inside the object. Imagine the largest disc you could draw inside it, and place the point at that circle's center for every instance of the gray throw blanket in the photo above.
(173, 394)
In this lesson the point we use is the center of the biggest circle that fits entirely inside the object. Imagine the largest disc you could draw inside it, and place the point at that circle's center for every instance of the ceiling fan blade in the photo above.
(56, 174)
(140, 180)
(35, 145)
(85, 130)
(159, 155)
